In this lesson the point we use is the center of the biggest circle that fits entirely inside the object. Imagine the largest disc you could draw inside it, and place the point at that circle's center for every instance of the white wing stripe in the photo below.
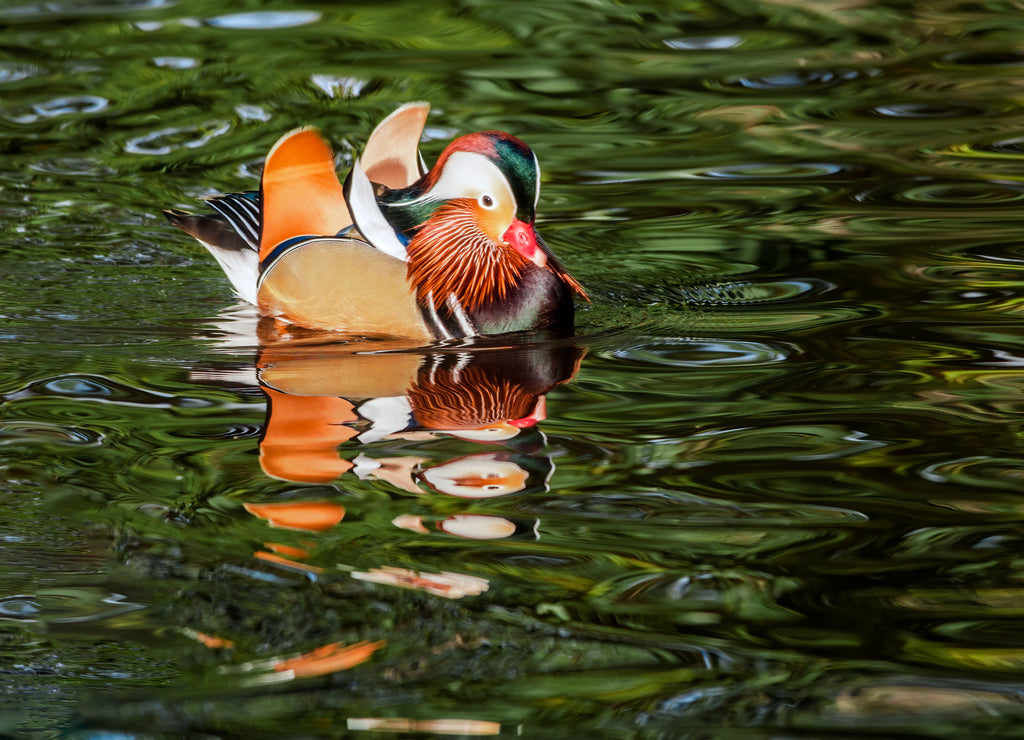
(246, 225)
(250, 219)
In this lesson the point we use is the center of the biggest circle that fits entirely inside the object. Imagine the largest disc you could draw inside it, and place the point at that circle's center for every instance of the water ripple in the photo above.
(968, 194)
(19, 432)
(56, 107)
(697, 597)
(99, 388)
(767, 172)
(338, 86)
(788, 442)
(902, 706)
(925, 110)
(704, 43)
(72, 8)
(794, 80)
(673, 507)
(265, 20)
(220, 431)
(743, 293)
(979, 470)
(73, 166)
(175, 62)
(65, 605)
(774, 171)
(705, 352)
(71, 105)
(981, 60)
(987, 631)
(1012, 148)
(13, 72)
(167, 140)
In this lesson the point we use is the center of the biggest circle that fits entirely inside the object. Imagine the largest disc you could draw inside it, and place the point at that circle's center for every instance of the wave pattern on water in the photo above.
(771, 488)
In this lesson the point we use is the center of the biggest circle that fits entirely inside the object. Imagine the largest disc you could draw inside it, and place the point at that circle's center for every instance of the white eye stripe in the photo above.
(470, 175)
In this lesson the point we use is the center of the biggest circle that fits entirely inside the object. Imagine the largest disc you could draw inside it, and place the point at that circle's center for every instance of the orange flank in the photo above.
(329, 658)
(301, 191)
(313, 516)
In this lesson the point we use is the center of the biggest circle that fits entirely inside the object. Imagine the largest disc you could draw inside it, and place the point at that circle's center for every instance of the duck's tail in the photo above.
(231, 235)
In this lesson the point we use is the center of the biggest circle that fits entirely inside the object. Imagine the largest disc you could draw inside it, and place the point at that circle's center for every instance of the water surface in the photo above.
(771, 490)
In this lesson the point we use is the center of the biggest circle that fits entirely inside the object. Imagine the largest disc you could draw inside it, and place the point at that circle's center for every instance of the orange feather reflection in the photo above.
(473, 727)
(323, 397)
(328, 659)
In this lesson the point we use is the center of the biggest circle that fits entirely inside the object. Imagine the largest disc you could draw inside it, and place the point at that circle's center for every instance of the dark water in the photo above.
(776, 488)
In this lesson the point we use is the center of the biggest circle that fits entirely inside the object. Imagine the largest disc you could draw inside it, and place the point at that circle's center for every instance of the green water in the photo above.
(780, 498)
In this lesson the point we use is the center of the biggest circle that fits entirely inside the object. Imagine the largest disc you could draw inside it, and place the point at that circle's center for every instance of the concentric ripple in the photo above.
(705, 353)
(979, 471)
(792, 80)
(775, 171)
(167, 140)
(931, 194)
(742, 293)
(65, 606)
(925, 110)
(20, 432)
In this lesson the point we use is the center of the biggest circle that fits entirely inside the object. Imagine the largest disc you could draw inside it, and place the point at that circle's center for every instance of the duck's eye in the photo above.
(486, 201)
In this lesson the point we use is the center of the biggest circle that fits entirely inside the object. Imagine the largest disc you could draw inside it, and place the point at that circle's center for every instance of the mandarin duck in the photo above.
(397, 250)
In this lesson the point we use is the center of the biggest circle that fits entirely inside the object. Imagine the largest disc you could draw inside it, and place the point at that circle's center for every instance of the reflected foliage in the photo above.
(771, 488)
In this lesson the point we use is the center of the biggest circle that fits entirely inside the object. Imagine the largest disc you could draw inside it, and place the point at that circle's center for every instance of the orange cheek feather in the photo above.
(493, 221)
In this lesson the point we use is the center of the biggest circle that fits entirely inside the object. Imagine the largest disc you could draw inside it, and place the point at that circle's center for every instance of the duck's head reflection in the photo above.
(323, 396)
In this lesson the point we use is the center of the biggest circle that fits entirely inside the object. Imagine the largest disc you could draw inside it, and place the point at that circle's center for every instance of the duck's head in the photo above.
(486, 185)
(470, 221)
(467, 226)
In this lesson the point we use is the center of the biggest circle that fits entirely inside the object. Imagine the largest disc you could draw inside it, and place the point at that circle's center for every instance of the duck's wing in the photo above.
(310, 275)
(242, 212)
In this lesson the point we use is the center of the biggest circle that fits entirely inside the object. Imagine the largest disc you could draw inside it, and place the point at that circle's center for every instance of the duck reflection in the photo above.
(339, 412)
(329, 405)
(326, 401)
